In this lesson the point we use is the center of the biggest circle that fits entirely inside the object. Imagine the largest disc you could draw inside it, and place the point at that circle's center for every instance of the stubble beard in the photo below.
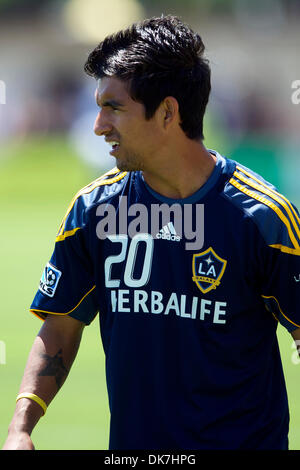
(130, 161)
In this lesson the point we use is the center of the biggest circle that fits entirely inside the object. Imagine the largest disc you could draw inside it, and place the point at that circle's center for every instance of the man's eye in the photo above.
(111, 107)
(108, 107)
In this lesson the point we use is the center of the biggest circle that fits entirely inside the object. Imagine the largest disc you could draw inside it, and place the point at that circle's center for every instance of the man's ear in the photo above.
(170, 111)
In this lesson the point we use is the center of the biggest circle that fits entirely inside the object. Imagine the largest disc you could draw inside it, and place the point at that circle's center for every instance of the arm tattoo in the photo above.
(55, 368)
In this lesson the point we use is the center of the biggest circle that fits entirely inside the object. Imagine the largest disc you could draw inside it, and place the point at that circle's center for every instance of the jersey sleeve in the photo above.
(281, 266)
(67, 285)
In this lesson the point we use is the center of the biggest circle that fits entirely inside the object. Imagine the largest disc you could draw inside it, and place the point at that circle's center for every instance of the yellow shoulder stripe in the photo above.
(66, 234)
(101, 181)
(286, 249)
(268, 203)
(273, 194)
(272, 191)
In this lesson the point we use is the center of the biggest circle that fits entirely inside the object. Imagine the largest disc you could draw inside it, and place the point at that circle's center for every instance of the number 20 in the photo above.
(129, 280)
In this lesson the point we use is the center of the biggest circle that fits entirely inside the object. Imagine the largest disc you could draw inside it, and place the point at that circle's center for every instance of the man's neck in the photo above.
(181, 176)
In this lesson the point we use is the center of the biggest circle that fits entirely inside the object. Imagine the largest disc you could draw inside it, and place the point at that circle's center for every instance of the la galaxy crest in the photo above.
(208, 269)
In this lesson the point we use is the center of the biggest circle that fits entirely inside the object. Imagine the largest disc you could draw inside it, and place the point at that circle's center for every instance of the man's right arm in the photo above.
(48, 365)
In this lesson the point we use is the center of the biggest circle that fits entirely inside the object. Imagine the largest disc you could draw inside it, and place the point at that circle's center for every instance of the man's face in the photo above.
(121, 120)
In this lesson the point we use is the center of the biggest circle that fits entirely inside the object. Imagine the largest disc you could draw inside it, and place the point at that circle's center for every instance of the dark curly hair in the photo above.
(159, 57)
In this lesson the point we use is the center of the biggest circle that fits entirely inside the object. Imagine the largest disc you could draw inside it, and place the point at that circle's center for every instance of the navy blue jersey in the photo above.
(188, 305)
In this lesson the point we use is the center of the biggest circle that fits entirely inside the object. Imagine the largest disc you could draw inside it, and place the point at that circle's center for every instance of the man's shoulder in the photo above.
(99, 190)
(274, 214)
(103, 187)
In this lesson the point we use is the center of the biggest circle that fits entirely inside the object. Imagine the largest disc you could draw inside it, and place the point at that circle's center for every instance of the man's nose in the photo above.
(101, 126)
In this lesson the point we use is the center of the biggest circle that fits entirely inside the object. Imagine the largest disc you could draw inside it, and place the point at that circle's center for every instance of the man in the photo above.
(189, 257)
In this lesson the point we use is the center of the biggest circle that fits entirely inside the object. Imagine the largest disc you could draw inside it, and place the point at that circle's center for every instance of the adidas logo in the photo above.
(168, 232)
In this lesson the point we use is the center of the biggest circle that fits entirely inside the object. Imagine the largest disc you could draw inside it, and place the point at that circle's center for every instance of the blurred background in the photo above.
(48, 152)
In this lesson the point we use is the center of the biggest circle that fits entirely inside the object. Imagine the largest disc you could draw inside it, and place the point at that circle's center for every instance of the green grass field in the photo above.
(38, 179)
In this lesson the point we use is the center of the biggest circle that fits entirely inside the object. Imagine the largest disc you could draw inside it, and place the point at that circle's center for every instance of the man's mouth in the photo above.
(114, 146)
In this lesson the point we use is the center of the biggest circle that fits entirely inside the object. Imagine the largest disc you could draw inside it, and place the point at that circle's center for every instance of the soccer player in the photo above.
(190, 259)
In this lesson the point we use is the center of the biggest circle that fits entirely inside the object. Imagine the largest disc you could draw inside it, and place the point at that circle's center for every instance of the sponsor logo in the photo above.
(208, 269)
(168, 232)
(158, 303)
(49, 280)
